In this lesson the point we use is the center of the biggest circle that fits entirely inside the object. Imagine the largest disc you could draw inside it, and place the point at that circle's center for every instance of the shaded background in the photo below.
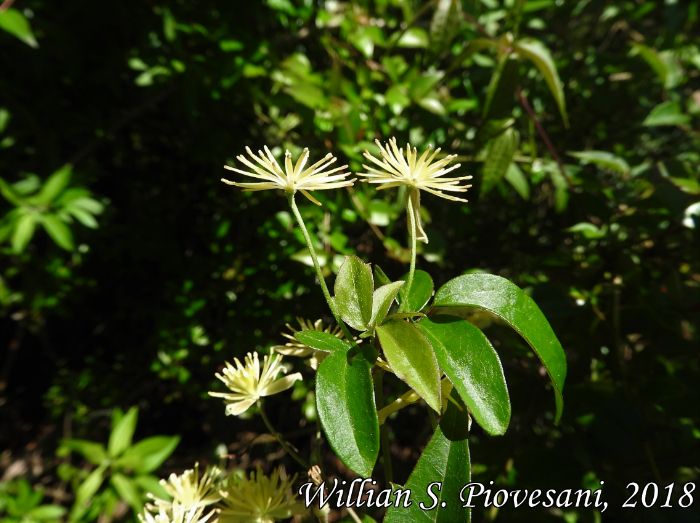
(172, 272)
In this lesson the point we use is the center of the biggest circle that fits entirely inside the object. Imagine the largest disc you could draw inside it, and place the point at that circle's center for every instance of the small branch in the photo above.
(543, 134)
(6, 5)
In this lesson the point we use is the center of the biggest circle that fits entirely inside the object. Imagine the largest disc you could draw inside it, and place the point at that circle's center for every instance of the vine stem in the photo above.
(280, 439)
(411, 212)
(317, 266)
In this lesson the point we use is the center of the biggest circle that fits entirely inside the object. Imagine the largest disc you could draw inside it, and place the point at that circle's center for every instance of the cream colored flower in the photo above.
(423, 173)
(177, 513)
(191, 489)
(294, 177)
(259, 498)
(248, 383)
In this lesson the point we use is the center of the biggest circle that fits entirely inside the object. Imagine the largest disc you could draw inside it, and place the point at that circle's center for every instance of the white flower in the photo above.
(294, 177)
(248, 383)
(422, 173)
(259, 498)
(191, 489)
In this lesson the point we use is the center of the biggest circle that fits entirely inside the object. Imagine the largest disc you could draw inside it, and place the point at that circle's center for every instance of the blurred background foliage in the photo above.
(129, 273)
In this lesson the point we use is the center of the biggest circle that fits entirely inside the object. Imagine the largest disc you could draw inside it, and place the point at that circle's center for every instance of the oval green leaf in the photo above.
(346, 409)
(506, 300)
(122, 432)
(382, 299)
(420, 293)
(353, 293)
(148, 454)
(445, 460)
(323, 341)
(411, 357)
(473, 367)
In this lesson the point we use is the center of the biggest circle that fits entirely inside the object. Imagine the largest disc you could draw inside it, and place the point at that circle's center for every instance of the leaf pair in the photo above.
(359, 304)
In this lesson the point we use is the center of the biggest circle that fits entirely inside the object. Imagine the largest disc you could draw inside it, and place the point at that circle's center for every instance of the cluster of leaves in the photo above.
(122, 469)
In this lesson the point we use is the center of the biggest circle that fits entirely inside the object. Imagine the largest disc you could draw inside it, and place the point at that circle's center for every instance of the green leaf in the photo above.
(382, 299)
(54, 186)
(46, 512)
(353, 293)
(499, 156)
(445, 24)
(122, 432)
(506, 300)
(538, 54)
(666, 113)
(86, 491)
(323, 341)
(445, 460)
(664, 63)
(59, 232)
(415, 37)
(380, 276)
(473, 367)
(411, 357)
(92, 451)
(15, 23)
(24, 230)
(346, 409)
(127, 491)
(9, 193)
(516, 178)
(588, 230)
(420, 293)
(604, 160)
(148, 454)
(84, 217)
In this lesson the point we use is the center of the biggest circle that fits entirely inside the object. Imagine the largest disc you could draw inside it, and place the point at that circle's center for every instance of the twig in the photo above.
(543, 134)
(6, 5)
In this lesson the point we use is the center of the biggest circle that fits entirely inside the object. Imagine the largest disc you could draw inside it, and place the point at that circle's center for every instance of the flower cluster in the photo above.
(212, 498)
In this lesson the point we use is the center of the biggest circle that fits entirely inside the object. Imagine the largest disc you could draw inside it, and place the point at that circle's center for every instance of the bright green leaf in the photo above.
(15, 23)
(56, 183)
(92, 451)
(411, 357)
(382, 299)
(346, 409)
(506, 300)
(45, 513)
(604, 160)
(24, 230)
(445, 461)
(323, 341)
(420, 293)
(86, 491)
(473, 367)
(148, 454)
(59, 232)
(353, 293)
(666, 113)
(414, 37)
(127, 491)
(122, 433)
(517, 180)
(539, 55)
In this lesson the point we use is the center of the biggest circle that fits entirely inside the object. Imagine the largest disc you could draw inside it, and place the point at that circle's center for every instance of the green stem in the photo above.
(280, 439)
(410, 211)
(317, 266)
